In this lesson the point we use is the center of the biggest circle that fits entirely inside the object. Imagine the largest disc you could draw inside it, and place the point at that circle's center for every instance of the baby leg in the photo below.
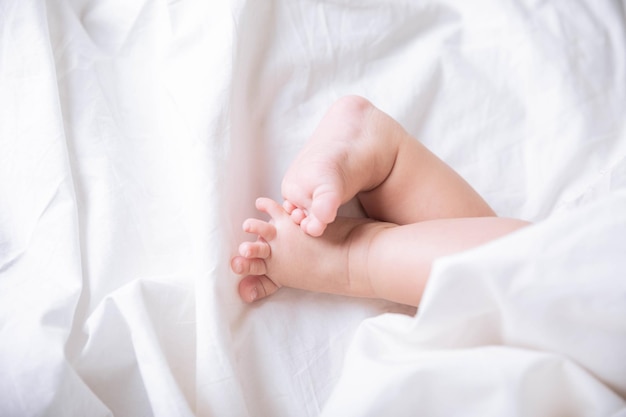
(420, 187)
(355, 257)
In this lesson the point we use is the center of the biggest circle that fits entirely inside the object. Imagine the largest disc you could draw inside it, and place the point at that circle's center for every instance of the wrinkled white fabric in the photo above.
(530, 325)
(136, 134)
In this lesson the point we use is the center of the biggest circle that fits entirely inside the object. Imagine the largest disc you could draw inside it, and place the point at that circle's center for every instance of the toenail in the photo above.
(254, 294)
(238, 267)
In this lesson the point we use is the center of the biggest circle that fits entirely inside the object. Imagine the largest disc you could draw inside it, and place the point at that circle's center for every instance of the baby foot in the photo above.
(284, 255)
(251, 260)
(347, 153)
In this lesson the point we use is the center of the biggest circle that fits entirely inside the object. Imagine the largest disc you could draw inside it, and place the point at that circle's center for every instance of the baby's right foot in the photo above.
(353, 149)
(284, 255)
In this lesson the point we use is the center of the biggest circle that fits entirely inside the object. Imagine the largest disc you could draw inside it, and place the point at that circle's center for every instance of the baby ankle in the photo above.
(359, 245)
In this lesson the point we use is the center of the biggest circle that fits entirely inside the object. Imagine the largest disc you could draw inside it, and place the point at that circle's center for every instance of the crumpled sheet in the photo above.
(529, 325)
(136, 134)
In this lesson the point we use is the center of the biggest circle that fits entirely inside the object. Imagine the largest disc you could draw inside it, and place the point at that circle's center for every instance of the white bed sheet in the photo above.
(136, 134)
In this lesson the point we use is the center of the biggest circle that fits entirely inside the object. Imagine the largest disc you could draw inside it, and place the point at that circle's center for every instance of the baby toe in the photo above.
(325, 204)
(312, 226)
(298, 215)
(258, 227)
(288, 206)
(258, 249)
(255, 287)
(245, 266)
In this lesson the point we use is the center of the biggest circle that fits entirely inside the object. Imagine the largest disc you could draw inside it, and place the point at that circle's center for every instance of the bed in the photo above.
(135, 136)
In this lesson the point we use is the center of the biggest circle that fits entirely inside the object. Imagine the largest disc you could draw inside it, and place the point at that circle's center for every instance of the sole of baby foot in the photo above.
(344, 156)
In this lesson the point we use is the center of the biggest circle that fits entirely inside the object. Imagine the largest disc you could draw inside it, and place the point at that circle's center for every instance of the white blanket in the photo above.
(136, 134)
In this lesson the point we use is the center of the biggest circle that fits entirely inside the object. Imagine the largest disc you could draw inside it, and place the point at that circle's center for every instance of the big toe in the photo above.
(256, 287)
(312, 226)
(325, 204)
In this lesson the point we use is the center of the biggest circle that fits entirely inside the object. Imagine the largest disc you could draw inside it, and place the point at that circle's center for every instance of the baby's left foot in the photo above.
(353, 149)
(284, 255)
